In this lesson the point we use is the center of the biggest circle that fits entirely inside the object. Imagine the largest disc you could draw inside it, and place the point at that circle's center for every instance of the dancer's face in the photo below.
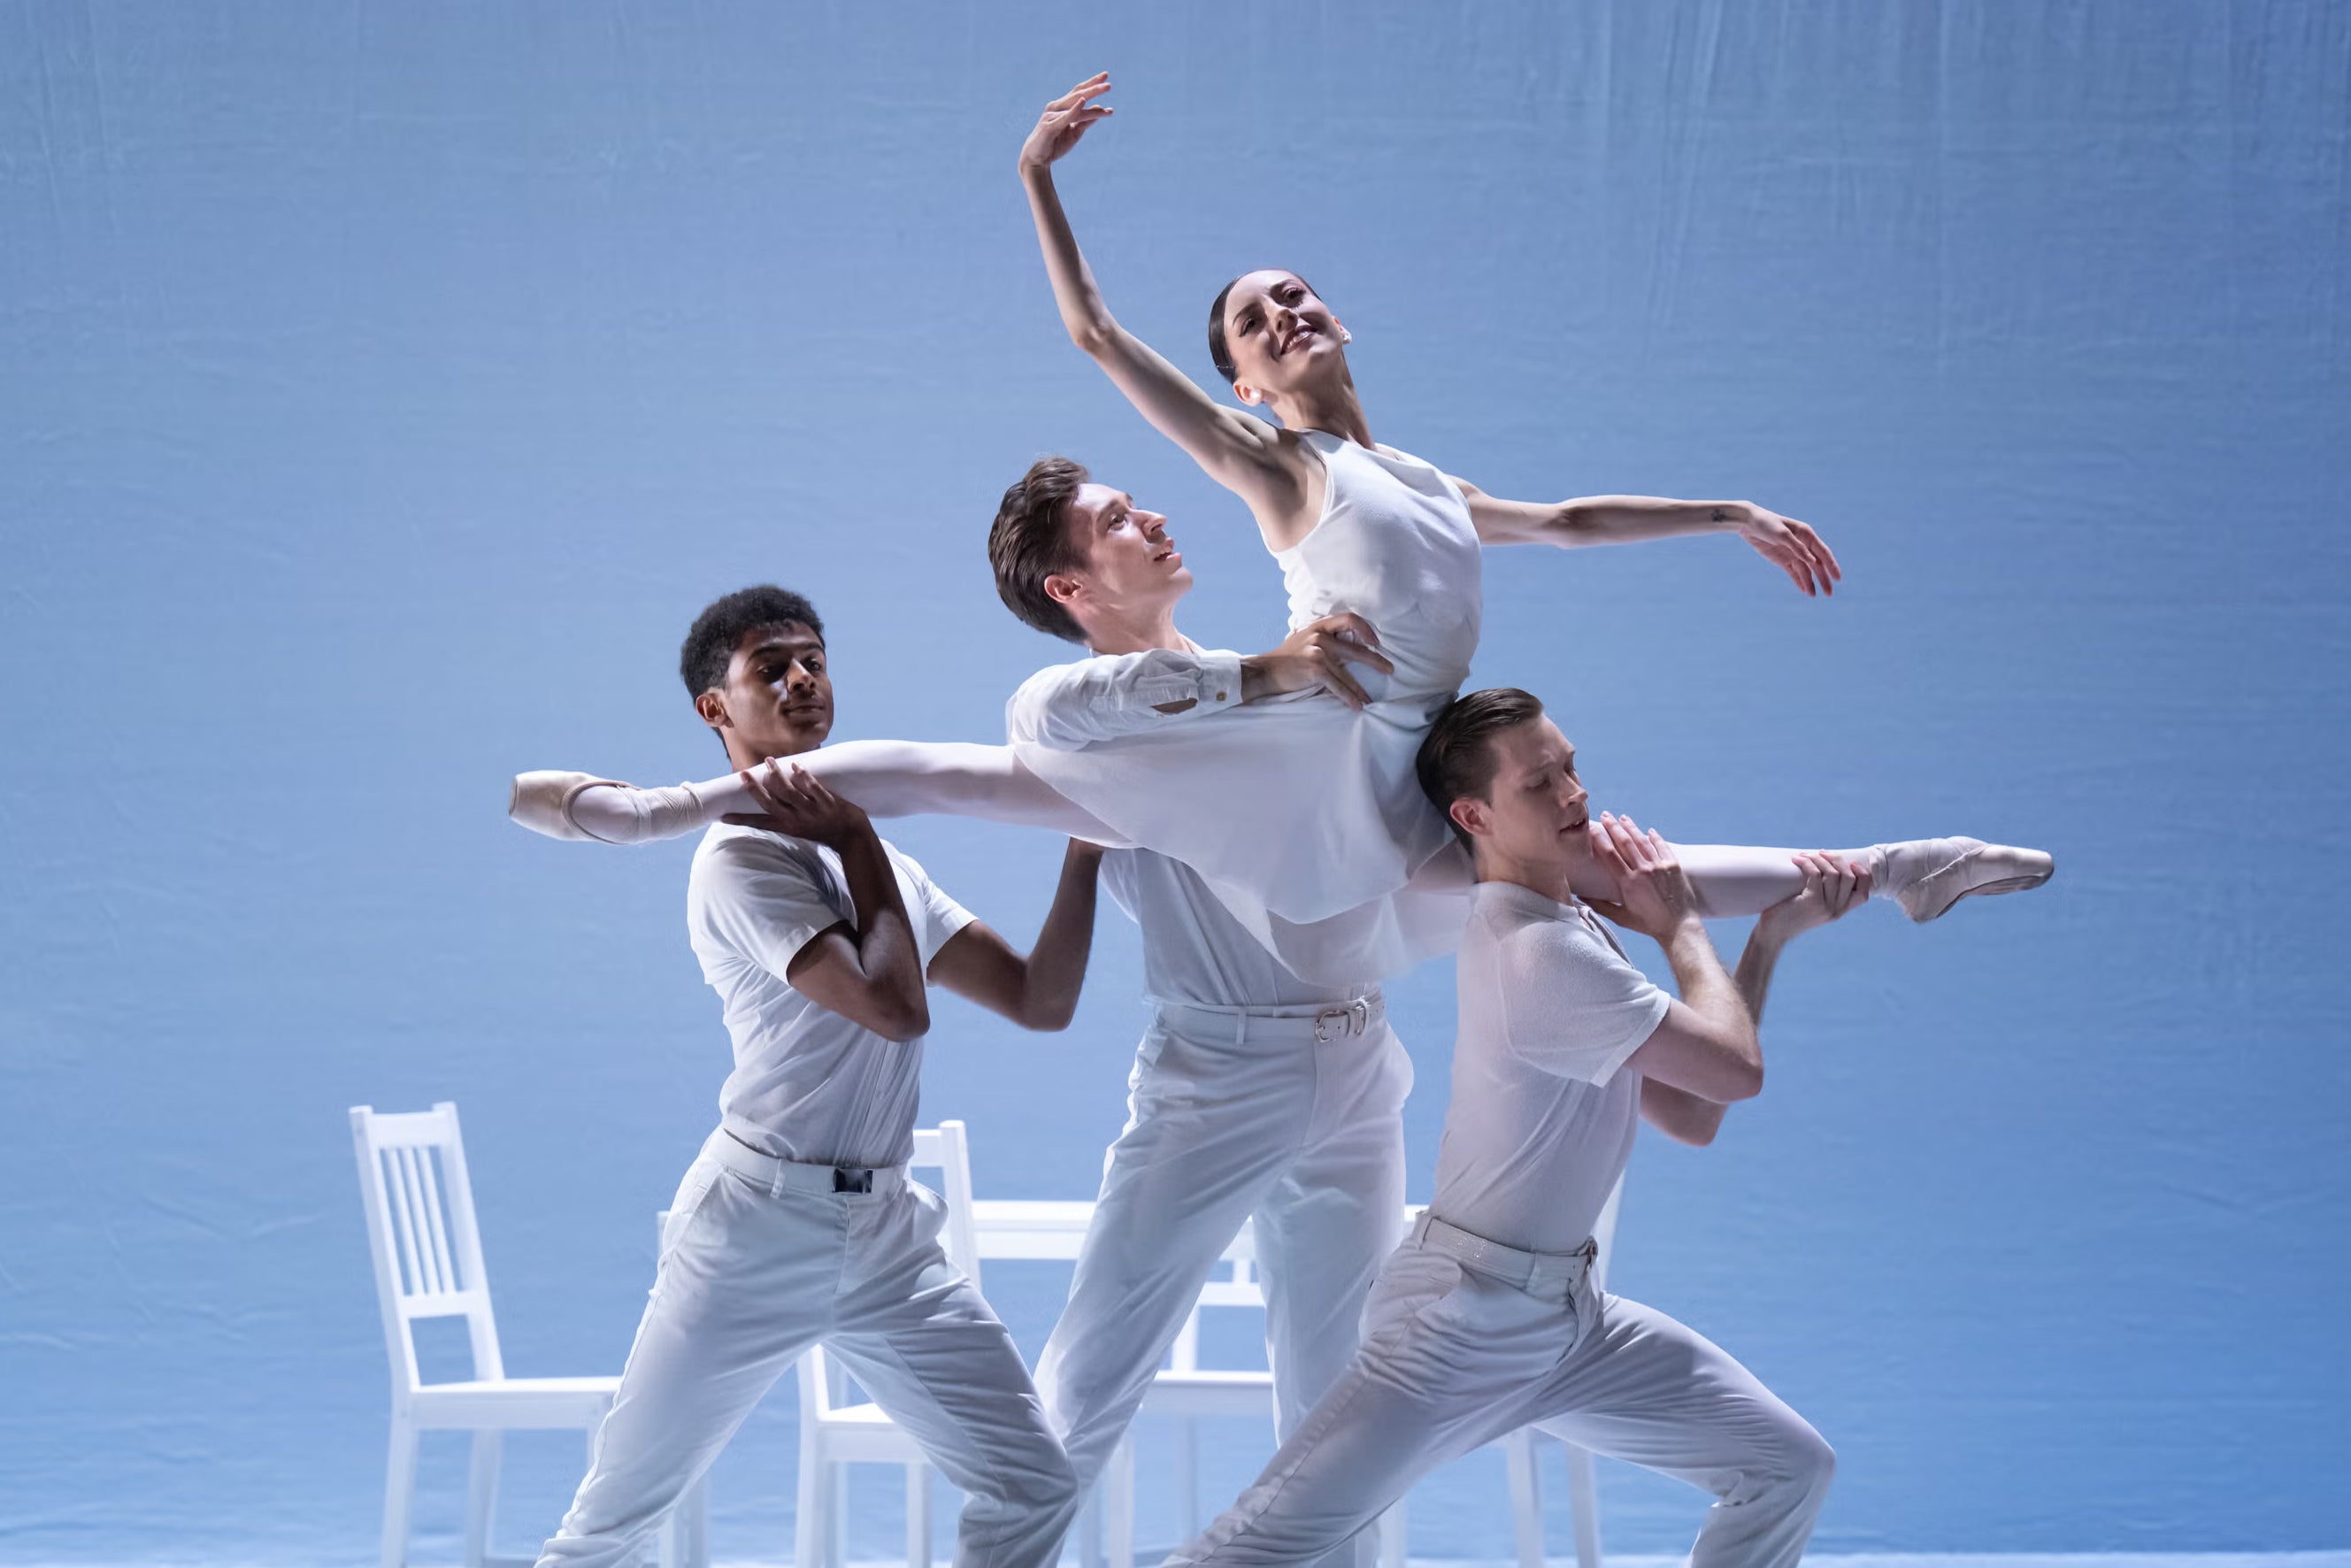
(1132, 568)
(1279, 335)
(777, 699)
(1537, 812)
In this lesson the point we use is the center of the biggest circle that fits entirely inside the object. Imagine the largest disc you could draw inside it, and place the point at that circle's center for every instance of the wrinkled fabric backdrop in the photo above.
(387, 386)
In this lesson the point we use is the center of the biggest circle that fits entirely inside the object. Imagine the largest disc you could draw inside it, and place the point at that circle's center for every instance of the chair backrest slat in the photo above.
(421, 1234)
(403, 1218)
(435, 1231)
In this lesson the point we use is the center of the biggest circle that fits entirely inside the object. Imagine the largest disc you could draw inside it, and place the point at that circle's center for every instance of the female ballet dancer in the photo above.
(1363, 528)
(1304, 816)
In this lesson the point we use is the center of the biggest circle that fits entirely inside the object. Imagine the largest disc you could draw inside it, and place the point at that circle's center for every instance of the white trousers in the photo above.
(1453, 1358)
(1233, 1117)
(752, 1275)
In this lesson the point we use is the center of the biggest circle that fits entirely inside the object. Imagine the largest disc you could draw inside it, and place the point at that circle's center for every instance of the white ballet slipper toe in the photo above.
(1927, 876)
(541, 801)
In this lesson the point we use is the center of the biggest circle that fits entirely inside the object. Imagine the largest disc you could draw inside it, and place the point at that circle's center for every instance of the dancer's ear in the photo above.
(1248, 393)
(1474, 817)
(712, 706)
(1345, 336)
(1062, 588)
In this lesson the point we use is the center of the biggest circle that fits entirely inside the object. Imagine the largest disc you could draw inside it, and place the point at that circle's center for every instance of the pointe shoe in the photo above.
(1927, 876)
(541, 801)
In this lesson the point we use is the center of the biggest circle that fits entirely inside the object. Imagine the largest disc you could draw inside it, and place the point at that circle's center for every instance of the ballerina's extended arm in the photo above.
(1790, 545)
(1257, 462)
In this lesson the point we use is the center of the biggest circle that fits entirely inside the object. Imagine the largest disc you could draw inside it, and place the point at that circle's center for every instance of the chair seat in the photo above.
(865, 1434)
(513, 1402)
(1211, 1392)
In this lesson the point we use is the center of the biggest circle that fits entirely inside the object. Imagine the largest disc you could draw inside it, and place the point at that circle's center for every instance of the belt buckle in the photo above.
(845, 1179)
(1332, 1023)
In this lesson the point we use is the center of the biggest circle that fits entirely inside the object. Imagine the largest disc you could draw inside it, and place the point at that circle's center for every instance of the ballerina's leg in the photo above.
(1733, 880)
(885, 777)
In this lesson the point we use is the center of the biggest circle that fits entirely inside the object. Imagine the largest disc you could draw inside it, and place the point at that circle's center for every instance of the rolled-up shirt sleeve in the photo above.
(1070, 707)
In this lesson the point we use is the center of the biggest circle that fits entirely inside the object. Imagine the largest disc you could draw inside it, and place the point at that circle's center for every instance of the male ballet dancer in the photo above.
(1254, 1092)
(1484, 1320)
(796, 1223)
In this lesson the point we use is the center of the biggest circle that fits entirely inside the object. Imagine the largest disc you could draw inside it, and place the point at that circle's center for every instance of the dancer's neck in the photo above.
(1550, 878)
(1335, 409)
(1136, 635)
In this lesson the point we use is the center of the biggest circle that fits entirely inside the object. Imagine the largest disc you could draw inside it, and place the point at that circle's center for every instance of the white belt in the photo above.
(1534, 1271)
(780, 1177)
(1324, 1022)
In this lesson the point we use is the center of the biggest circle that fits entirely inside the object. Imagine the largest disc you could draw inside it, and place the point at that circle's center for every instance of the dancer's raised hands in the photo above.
(1065, 119)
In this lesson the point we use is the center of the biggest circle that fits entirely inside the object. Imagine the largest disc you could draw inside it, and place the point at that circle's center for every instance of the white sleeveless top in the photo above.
(1304, 817)
(1394, 545)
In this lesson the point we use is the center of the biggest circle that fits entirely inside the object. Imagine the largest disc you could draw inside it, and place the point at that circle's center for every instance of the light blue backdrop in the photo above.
(386, 386)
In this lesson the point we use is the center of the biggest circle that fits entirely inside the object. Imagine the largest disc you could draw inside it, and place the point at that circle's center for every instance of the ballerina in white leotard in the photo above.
(1304, 816)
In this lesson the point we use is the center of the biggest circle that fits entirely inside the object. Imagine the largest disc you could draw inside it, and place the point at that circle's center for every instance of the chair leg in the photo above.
(1188, 1474)
(1526, 1496)
(482, 1494)
(807, 1521)
(684, 1537)
(1090, 1527)
(694, 1526)
(918, 1516)
(399, 1493)
(1585, 1495)
(1118, 1524)
(836, 1520)
(1391, 1527)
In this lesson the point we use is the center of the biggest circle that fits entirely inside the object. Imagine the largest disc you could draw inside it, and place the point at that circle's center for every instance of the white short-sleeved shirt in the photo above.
(1543, 1113)
(809, 1083)
(1194, 951)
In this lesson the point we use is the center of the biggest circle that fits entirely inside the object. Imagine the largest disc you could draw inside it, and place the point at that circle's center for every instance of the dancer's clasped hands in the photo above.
(1653, 895)
(1832, 888)
(798, 806)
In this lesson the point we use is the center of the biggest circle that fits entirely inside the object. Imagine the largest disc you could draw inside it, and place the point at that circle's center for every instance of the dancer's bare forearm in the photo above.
(1242, 454)
(1790, 545)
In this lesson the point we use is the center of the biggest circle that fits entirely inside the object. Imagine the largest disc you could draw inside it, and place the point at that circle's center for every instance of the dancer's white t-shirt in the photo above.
(809, 1083)
(1543, 1111)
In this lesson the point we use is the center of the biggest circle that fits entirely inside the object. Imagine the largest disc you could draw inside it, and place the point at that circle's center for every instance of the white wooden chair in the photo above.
(1184, 1391)
(836, 1434)
(1520, 1452)
(428, 1264)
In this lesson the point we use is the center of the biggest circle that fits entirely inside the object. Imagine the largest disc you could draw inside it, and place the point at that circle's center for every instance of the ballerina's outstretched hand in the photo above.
(1065, 119)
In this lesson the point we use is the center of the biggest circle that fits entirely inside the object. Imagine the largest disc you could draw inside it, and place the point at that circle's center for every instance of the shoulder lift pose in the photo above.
(1255, 1094)
(1334, 827)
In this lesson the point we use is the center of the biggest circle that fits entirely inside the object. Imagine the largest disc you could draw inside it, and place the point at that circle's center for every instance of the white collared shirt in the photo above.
(1193, 949)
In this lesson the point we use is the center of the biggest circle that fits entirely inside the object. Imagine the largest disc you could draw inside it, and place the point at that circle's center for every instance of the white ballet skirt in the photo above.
(1304, 816)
